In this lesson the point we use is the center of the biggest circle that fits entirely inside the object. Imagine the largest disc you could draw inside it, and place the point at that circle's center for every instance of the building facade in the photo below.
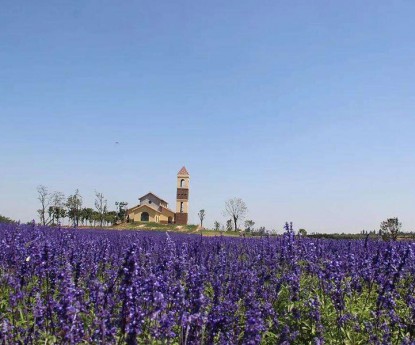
(152, 208)
(182, 197)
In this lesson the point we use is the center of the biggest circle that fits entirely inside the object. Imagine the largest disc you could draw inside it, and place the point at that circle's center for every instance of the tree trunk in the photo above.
(235, 219)
(42, 216)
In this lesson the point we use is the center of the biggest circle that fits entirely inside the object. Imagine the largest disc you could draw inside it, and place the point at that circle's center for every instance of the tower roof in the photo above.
(183, 171)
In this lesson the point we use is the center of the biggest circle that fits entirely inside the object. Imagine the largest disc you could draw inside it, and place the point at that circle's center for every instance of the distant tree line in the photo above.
(389, 230)
(4, 219)
(55, 207)
(236, 209)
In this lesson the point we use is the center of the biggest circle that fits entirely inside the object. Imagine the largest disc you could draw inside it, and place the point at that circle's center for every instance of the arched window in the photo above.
(182, 183)
(181, 207)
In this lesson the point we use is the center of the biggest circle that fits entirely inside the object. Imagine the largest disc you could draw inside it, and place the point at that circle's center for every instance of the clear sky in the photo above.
(304, 109)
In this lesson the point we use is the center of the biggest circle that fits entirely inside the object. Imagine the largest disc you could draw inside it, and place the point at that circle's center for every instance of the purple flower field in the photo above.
(116, 287)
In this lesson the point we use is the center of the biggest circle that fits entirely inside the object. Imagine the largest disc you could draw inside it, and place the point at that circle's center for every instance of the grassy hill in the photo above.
(187, 229)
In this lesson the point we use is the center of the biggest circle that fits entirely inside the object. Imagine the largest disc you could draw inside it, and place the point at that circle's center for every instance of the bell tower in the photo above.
(182, 199)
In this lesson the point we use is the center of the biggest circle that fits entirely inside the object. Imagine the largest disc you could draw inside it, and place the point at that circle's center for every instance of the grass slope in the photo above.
(187, 229)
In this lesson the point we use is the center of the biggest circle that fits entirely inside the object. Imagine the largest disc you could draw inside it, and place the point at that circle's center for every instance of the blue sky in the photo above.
(304, 109)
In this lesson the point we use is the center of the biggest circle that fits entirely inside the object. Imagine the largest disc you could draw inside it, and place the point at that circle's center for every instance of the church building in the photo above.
(152, 208)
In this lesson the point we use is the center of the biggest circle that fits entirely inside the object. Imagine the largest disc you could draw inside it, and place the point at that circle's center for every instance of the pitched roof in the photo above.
(183, 171)
(159, 210)
(166, 208)
(153, 195)
(146, 205)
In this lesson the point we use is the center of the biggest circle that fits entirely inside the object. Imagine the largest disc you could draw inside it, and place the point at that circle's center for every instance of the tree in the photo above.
(390, 228)
(101, 207)
(229, 225)
(4, 219)
(249, 225)
(121, 210)
(216, 225)
(74, 205)
(111, 217)
(261, 230)
(56, 213)
(302, 232)
(95, 217)
(57, 208)
(87, 213)
(201, 215)
(44, 198)
(236, 208)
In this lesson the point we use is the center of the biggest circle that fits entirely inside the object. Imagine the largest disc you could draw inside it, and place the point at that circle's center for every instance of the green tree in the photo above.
(57, 209)
(4, 219)
(96, 217)
(56, 213)
(111, 217)
(100, 206)
(216, 225)
(87, 213)
(74, 206)
(390, 228)
(249, 225)
(201, 215)
(121, 207)
(236, 209)
(302, 232)
(262, 230)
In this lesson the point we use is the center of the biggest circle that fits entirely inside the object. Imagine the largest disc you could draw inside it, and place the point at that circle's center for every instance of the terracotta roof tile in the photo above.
(183, 171)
